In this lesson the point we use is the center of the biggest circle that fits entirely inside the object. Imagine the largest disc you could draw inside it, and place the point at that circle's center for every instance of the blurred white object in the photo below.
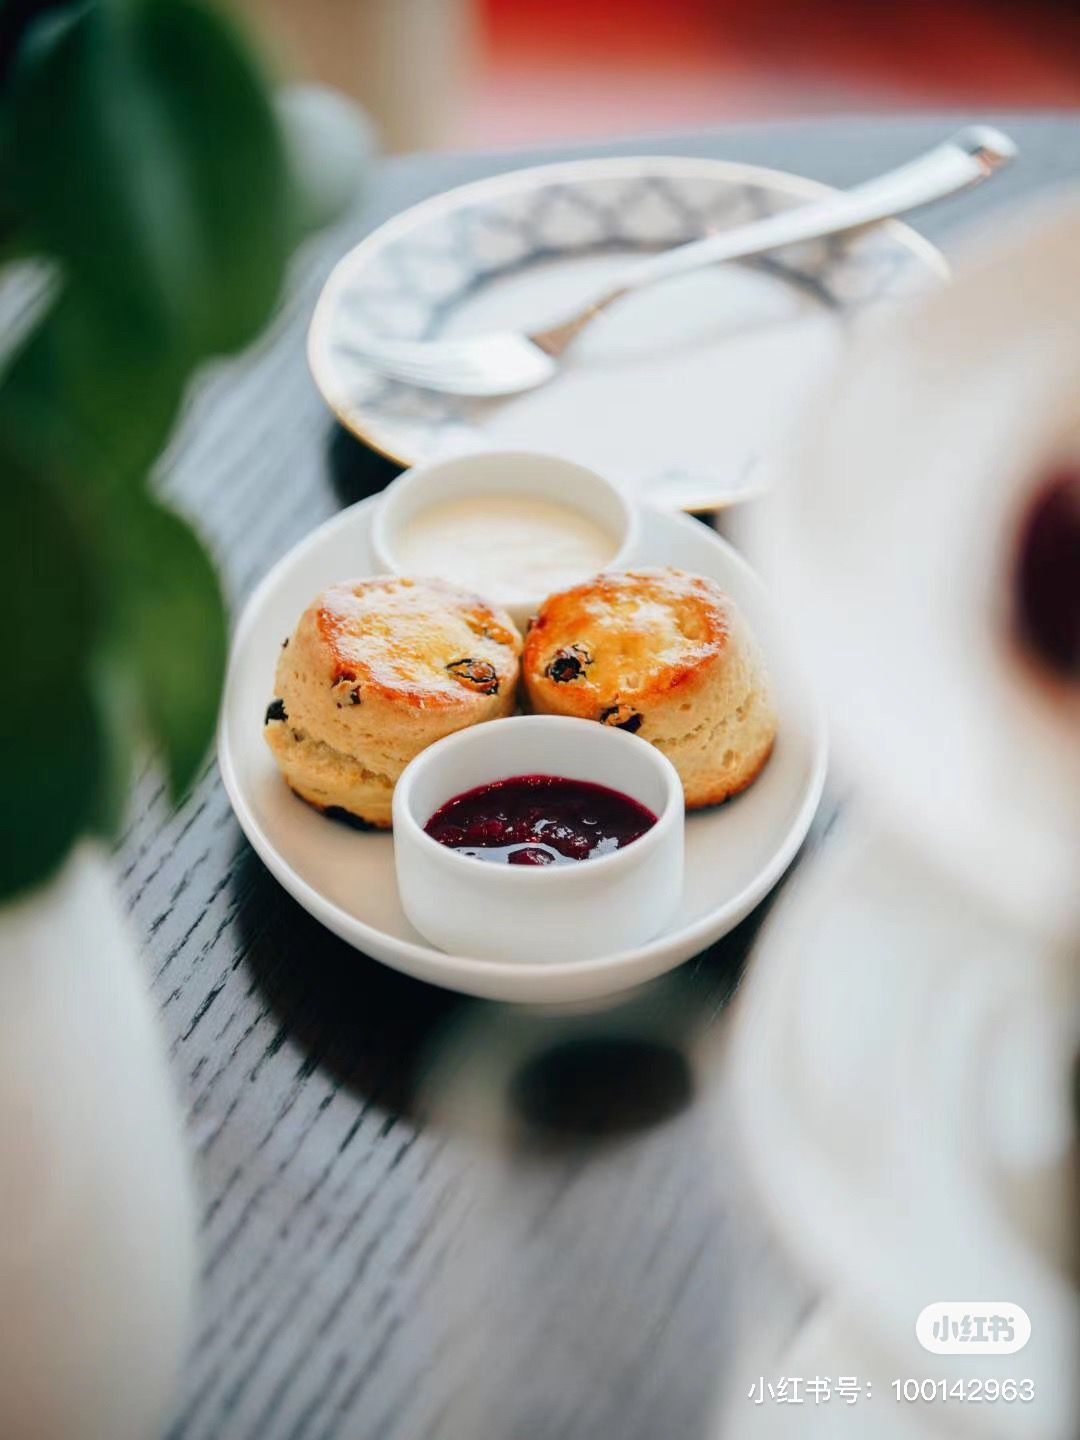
(905, 1057)
(331, 145)
(96, 1215)
(902, 1073)
(894, 549)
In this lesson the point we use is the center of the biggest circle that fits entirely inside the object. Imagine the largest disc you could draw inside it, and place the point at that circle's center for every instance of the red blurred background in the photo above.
(466, 73)
(560, 68)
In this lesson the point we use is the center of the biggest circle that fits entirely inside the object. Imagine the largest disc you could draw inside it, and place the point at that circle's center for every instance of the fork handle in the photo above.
(968, 157)
(965, 159)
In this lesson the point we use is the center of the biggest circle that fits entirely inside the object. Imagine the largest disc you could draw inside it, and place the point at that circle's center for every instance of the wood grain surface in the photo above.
(424, 1216)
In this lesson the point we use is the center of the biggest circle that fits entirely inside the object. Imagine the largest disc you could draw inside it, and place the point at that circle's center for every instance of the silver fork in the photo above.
(504, 362)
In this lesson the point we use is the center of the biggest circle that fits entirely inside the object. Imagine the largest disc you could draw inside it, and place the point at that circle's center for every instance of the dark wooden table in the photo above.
(424, 1216)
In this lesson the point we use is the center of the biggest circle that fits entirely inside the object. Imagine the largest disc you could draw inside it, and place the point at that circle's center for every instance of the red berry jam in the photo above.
(539, 820)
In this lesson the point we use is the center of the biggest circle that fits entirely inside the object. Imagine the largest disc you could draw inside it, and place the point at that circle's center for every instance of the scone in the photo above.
(375, 672)
(667, 656)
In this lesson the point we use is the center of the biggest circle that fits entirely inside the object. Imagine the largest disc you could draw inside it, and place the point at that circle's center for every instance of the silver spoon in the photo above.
(504, 362)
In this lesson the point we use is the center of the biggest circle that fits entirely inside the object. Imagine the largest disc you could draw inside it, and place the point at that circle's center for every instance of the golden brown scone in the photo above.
(375, 672)
(667, 656)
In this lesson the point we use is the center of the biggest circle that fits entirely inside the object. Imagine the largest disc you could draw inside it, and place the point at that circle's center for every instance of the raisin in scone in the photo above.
(376, 671)
(667, 656)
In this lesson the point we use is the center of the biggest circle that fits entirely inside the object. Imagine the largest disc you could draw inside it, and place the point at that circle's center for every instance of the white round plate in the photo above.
(735, 853)
(683, 393)
(859, 1069)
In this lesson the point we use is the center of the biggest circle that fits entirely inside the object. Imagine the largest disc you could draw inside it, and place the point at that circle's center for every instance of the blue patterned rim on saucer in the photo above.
(409, 277)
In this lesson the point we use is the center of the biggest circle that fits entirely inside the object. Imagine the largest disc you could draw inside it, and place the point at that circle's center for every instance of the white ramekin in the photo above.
(551, 913)
(505, 472)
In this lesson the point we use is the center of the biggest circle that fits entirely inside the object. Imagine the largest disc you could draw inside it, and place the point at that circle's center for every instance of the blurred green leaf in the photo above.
(143, 161)
(143, 150)
(229, 150)
(172, 629)
(51, 787)
(47, 725)
(89, 395)
(51, 605)
(114, 694)
(16, 18)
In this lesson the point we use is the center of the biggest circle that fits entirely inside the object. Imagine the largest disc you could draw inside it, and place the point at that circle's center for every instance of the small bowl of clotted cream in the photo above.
(515, 526)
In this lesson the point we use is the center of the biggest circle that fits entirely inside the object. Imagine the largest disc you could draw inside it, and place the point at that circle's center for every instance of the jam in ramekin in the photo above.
(539, 820)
